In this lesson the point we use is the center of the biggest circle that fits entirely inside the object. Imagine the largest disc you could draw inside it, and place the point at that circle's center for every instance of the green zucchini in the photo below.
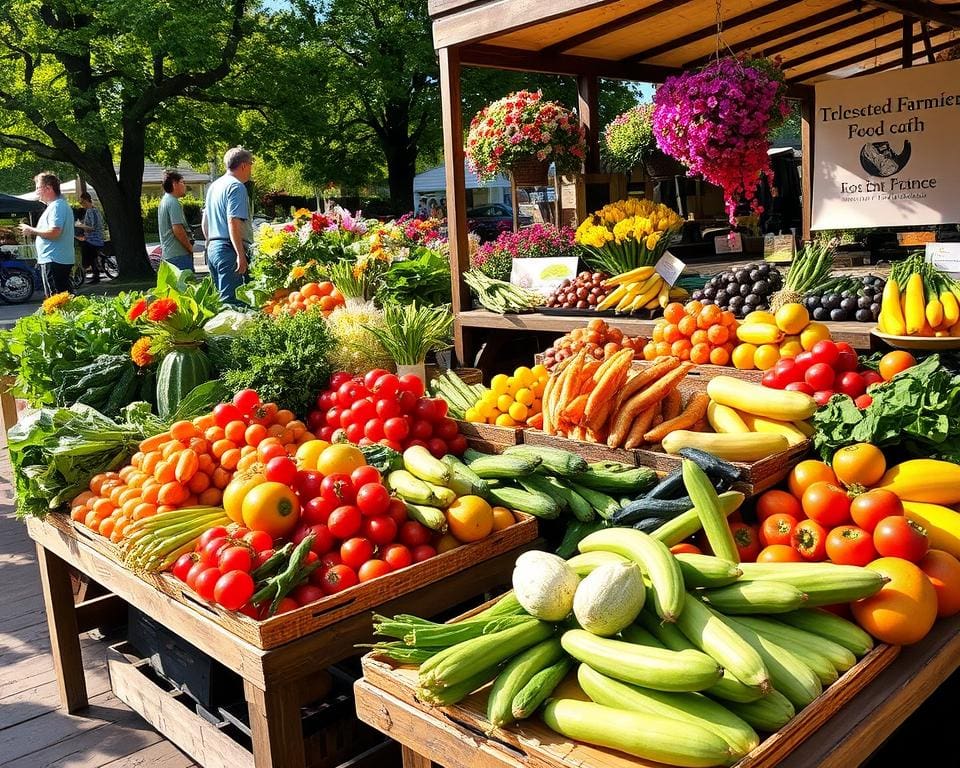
(536, 504)
(634, 480)
(508, 467)
(538, 688)
(605, 506)
(556, 461)
(518, 672)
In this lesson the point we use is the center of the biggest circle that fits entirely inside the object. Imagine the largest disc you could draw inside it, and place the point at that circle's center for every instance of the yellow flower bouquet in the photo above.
(627, 234)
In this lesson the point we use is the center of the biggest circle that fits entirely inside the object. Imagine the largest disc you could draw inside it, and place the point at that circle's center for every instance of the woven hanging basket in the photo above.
(659, 165)
(530, 173)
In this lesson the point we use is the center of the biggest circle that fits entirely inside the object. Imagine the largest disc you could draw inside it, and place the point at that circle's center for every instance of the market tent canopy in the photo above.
(647, 40)
(9, 204)
(66, 188)
(435, 179)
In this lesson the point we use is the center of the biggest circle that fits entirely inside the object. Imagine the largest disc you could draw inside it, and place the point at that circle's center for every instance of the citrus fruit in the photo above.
(760, 316)
(813, 333)
(308, 453)
(792, 318)
(743, 356)
(943, 570)
(470, 518)
(859, 464)
(904, 609)
(340, 457)
(893, 362)
(766, 356)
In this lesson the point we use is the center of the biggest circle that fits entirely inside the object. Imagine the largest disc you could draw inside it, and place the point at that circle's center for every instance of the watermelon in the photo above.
(182, 368)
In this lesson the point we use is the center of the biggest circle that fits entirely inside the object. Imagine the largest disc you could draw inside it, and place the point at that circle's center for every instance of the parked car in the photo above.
(488, 221)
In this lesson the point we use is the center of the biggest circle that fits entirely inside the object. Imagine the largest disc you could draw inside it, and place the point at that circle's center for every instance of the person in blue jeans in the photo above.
(54, 235)
(175, 243)
(226, 224)
(91, 239)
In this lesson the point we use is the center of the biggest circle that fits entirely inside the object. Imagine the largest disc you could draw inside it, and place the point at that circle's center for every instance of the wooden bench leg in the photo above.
(413, 759)
(276, 727)
(64, 634)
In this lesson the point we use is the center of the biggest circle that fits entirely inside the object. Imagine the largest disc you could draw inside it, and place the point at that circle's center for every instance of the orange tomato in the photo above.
(893, 362)
(859, 464)
(271, 507)
(210, 497)
(779, 553)
(237, 490)
(808, 472)
(503, 517)
(341, 457)
(470, 518)
(943, 570)
(775, 502)
(904, 609)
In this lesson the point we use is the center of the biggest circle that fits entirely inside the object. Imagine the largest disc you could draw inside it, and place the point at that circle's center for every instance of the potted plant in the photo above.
(495, 259)
(629, 143)
(521, 134)
(410, 332)
(717, 122)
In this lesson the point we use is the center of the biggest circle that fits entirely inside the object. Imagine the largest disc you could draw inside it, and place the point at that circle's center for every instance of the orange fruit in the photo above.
(271, 507)
(943, 570)
(445, 543)
(859, 464)
(470, 518)
(700, 353)
(687, 325)
(719, 355)
(503, 517)
(904, 609)
(341, 457)
(674, 312)
(743, 355)
(893, 362)
(808, 472)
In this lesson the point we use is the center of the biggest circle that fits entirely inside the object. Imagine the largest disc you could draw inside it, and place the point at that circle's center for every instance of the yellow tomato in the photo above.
(308, 453)
(504, 420)
(743, 355)
(766, 356)
(445, 543)
(813, 333)
(790, 349)
(341, 457)
(502, 518)
(473, 415)
(237, 490)
(518, 411)
(792, 318)
(504, 402)
(498, 384)
(540, 371)
(525, 396)
(271, 507)
(470, 518)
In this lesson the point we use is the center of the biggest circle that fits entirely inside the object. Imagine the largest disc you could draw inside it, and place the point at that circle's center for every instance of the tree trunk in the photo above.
(401, 168)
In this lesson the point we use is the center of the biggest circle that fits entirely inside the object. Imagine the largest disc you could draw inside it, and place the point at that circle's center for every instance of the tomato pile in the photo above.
(384, 408)
(323, 295)
(694, 331)
(831, 368)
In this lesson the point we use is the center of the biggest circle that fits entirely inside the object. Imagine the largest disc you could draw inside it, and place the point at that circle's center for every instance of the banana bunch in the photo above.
(919, 300)
(640, 288)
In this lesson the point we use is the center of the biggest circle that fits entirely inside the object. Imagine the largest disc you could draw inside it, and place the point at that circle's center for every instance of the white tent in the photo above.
(68, 188)
(432, 184)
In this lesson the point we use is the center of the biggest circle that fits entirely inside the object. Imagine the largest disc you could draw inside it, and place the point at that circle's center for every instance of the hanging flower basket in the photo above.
(529, 172)
(717, 122)
(522, 128)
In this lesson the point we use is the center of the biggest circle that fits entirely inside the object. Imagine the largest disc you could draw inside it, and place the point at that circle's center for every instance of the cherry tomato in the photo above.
(339, 378)
(210, 534)
(852, 384)
(372, 376)
(446, 429)
(373, 429)
(437, 447)
(424, 409)
(308, 484)
(338, 488)
(800, 386)
(457, 445)
(262, 556)
(373, 499)
(224, 413)
(284, 606)
(804, 360)
(355, 433)
(406, 400)
(872, 377)
(246, 400)
(234, 559)
(810, 540)
(326, 400)
(323, 540)
(868, 509)
(396, 428)
(423, 552)
(771, 380)
(825, 352)
(864, 401)
(345, 521)
(307, 593)
(363, 475)
(337, 578)
(850, 545)
(317, 510)
(333, 416)
(206, 582)
(440, 408)
(898, 536)
(777, 502)
(356, 551)
(777, 529)
(398, 511)
(414, 534)
(281, 469)
(410, 382)
(779, 553)
(249, 609)
(183, 565)
(686, 548)
(387, 408)
(788, 371)
(211, 550)
(331, 559)
(363, 410)
(826, 503)
(397, 555)
(422, 429)
(380, 530)
(373, 568)
(822, 397)
(233, 589)
(820, 376)
(386, 386)
(745, 537)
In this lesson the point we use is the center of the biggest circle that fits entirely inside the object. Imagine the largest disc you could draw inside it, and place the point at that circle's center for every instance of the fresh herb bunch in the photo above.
(284, 358)
(356, 349)
(410, 332)
(810, 267)
(423, 277)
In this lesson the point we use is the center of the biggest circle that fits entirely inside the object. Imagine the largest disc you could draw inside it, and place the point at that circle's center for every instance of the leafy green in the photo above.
(410, 332)
(283, 358)
(918, 411)
(55, 452)
(424, 277)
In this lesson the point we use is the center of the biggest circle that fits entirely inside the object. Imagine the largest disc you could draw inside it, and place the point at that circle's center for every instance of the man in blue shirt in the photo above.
(226, 224)
(176, 244)
(54, 235)
(91, 241)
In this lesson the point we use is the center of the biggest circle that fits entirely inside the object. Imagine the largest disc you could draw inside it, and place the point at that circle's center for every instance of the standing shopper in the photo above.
(54, 236)
(175, 242)
(91, 241)
(226, 224)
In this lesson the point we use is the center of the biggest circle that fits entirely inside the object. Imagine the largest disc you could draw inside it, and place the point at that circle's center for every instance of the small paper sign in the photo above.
(945, 257)
(779, 248)
(669, 267)
(544, 275)
(731, 243)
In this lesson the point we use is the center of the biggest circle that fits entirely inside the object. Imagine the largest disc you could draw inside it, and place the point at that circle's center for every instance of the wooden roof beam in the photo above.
(705, 33)
(919, 9)
(521, 60)
(628, 19)
(894, 63)
(841, 45)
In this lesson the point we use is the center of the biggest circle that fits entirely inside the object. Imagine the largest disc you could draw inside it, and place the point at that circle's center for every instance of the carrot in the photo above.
(547, 405)
(596, 437)
(644, 398)
(672, 405)
(639, 380)
(695, 410)
(571, 381)
(574, 411)
(587, 377)
(536, 421)
(700, 426)
(640, 425)
(606, 387)
(154, 443)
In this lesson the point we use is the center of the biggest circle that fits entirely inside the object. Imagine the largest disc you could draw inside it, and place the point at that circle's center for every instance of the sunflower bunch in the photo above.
(627, 234)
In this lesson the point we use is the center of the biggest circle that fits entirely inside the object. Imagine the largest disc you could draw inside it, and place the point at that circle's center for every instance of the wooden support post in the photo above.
(456, 191)
(807, 118)
(907, 58)
(588, 93)
(413, 759)
(64, 633)
(275, 723)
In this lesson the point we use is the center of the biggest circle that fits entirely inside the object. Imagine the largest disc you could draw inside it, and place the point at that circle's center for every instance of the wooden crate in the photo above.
(708, 371)
(490, 433)
(295, 624)
(540, 746)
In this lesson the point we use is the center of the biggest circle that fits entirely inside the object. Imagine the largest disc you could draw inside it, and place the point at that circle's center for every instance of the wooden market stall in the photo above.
(647, 40)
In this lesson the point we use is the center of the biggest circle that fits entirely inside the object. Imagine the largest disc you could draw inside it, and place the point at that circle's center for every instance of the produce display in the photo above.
(640, 288)
(741, 290)
(499, 296)
(846, 298)
(323, 294)
(766, 337)
(695, 331)
(598, 339)
(511, 401)
(919, 300)
(585, 291)
(808, 269)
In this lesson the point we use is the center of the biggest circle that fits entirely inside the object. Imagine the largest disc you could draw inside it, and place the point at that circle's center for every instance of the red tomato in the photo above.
(363, 410)
(338, 578)
(771, 380)
(868, 509)
(380, 530)
(234, 559)
(233, 589)
(872, 377)
(386, 386)
(370, 377)
(326, 400)
(847, 361)
(777, 529)
(344, 521)
(686, 548)
(440, 408)
(183, 565)
(396, 428)
(823, 396)
(900, 537)
(373, 499)
(804, 360)
(851, 384)
(849, 545)
(446, 429)
(825, 352)
(331, 559)
(826, 503)
(373, 429)
(745, 537)
(355, 432)
(864, 401)
(422, 429)
(424, 409)
(195, 570)
(307, 593)
(779, 553)
(810, 540)
(211, 550)
(249, 609)
(406, 400)
(323, 540)
(788, 371)
(777, 502)
(363, 475)
(281, 469)
(423, 552)
(317, 511)
(339, 378)
(356, 551)
(800, 386)
(284, 606)
(224, 413)
(413, 534)
(373, 568)
(398, 511)
(820, 376)
(387, 408)
(437, 447)
(457, 445)
(307, 484)
(338, 488)
(316, 420)
(262, 556)
(218, 532)
(326, 433)
(333, 416)
(246, 400)
(410, 382)
(206, 582)
(397, 555)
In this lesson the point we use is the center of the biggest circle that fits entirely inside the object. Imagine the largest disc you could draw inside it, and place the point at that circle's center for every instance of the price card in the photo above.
(669, 267)
(543, 274)
(731, 243)
(945, 257)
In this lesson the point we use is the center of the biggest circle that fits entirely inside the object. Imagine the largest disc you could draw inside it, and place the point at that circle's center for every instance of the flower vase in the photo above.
(530, 172)
(418, 369)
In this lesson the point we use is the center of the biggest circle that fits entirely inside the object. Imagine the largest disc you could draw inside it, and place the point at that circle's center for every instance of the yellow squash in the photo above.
(942, 524)
(914, 309)
(927, 480)
(759, 333)
(951, 309)
(891, 314)
(934, 312)
(761, 401)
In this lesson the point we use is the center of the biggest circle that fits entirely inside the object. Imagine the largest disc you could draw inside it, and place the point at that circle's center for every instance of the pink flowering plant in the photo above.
(628, 140)
(717, 122)
(522, 126)
(495, 259)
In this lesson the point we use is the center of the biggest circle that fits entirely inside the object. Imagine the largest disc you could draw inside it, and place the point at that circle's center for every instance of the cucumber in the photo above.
(536, 504)
(688, 523)
(832, 627)
(576, 531)
(710, 511)
(539, 484)
(503, 466)
(538, 688)
(714, 467)
(648, 507)
(463, 480)
(556, 461)
(823, 583)
(768, 714)
(634, 480)
(518, 672)
(649, 524)
(605, 506)
(750, 597)
(707, 571)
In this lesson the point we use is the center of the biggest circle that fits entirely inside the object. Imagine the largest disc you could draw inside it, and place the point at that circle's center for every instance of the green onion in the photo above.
(411, 331)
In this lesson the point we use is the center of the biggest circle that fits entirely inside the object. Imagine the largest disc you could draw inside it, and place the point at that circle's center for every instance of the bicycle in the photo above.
(106, 264)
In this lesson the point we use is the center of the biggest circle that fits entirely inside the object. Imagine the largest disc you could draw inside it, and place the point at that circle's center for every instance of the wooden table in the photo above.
(276, 682)
(847, 738)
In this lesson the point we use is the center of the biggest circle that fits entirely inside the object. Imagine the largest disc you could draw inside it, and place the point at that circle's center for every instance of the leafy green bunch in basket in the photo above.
(410, 332)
